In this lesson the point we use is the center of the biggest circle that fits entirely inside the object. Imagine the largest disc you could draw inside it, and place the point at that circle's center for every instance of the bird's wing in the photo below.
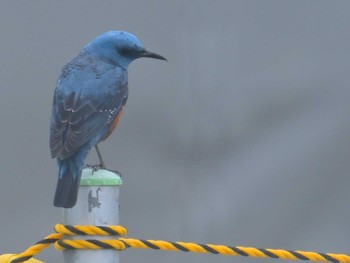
(87, 98)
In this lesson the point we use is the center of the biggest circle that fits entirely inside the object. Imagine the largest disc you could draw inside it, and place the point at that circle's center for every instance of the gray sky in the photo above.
(242, 138)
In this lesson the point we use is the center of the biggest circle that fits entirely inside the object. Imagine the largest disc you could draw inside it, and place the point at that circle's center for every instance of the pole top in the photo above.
(101, 177)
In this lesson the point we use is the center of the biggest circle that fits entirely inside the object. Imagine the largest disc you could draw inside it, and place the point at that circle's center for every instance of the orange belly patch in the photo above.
(115, 122)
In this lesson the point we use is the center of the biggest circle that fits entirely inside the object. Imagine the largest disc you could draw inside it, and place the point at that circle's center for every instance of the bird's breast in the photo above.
(113, 120)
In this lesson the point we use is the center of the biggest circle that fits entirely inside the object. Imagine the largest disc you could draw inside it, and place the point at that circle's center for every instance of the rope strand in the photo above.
(123, 243)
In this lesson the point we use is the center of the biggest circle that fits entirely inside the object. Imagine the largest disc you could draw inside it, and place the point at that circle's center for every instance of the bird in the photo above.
(89, 98)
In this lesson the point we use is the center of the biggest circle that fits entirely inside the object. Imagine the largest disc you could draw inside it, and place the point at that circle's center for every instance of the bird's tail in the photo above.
(69, 174)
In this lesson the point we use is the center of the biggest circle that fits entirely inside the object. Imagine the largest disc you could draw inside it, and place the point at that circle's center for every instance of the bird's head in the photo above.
(120, 47)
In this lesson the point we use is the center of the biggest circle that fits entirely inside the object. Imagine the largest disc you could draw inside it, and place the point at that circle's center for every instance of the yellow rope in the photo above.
(91, 230)
(123, 243)
(202, 248)
(37, 248)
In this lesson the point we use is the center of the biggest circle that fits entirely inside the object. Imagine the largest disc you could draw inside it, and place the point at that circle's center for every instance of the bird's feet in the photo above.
(96, 167)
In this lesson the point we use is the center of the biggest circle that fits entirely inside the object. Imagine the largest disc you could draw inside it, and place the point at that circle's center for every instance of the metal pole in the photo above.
(98, 204)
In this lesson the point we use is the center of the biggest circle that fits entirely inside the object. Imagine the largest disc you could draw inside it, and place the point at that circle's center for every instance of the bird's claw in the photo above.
(96, 167)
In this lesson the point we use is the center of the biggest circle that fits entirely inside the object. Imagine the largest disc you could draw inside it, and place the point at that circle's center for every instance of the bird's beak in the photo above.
(149, 54)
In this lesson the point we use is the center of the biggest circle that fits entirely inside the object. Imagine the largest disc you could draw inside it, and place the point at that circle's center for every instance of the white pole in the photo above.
(98, 205)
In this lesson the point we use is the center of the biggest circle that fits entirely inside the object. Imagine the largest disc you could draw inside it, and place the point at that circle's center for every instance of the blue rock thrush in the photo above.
(90, 96)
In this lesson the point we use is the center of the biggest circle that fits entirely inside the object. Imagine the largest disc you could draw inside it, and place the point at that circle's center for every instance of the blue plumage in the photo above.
(90, 95)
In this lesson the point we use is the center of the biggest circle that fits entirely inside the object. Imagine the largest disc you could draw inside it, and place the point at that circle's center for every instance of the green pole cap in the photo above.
(101, 177)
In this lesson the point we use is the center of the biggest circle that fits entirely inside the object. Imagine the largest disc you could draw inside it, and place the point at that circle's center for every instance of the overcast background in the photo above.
(242, 138)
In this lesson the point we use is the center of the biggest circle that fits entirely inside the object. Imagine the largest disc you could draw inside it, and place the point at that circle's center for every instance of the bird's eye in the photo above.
(127, 52)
